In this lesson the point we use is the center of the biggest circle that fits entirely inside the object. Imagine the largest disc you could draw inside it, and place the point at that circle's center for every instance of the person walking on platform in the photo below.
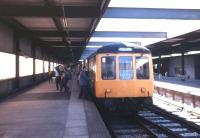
(58, 76)
(66, 76)
(88, 85)
(83, 83)
(50, 77)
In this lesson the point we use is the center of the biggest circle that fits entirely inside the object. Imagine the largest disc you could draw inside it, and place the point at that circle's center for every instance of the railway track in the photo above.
(178, 109)
(150, 122)
(124, 126)
(173, 127)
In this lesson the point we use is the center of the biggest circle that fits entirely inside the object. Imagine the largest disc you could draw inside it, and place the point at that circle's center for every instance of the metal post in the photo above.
(183, 64)
(43, 67)
(33, 54)
(193, 101)
(49, 65)
(53, 62)
(182, 99)
(159, 67)
(16, 51)
(183, 67)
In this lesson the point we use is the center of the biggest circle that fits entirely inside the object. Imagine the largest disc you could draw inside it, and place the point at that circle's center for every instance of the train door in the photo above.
(92, 72)
(125, 67)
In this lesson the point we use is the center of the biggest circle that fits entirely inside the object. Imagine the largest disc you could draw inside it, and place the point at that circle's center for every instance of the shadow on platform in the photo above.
(42, 96)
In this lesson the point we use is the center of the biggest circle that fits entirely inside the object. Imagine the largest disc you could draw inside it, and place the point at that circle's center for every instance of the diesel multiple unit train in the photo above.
(121, 71)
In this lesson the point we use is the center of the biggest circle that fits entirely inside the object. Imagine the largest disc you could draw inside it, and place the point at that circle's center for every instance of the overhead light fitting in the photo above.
(155, 57)
(93, 46)
(175, 54)
(165, 56)
(69, 42)
(171, 55)
(193, 52)
(173, 40)
(193, 41)
(57, 46)
(177, 44)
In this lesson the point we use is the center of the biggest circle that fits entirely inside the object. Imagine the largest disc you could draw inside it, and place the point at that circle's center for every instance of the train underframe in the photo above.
(119, 104)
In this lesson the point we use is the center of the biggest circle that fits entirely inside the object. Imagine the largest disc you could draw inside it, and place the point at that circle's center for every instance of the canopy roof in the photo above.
(62, 27)
(68, 28)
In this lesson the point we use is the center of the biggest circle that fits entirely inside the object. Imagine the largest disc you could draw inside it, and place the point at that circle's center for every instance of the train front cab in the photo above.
(124, 76)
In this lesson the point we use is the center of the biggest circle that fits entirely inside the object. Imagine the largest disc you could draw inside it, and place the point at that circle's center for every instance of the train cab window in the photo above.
(142, 67)
(108, 68)
(125, 68)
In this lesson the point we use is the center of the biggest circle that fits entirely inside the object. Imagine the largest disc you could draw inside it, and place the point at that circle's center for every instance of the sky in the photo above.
(173, 27)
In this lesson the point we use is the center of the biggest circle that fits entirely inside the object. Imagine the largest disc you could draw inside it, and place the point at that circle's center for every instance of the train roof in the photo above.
(122, 48)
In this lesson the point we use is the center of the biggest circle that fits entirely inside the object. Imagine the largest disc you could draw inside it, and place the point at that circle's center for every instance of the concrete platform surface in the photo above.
(174, 83)
(44, 112)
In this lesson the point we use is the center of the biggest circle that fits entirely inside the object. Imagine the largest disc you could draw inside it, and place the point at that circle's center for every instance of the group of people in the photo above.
(63, 75)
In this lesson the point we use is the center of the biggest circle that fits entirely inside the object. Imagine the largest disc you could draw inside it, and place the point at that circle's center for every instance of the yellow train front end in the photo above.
(123, 75)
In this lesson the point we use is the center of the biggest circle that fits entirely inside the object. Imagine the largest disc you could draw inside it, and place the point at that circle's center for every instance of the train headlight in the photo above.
(143, 90)
(107, 91)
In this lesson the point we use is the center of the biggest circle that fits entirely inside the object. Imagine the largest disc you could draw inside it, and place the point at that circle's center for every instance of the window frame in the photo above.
(132, 69)
(23, 60)
(115, 71)
(147, 57)
(11, 64)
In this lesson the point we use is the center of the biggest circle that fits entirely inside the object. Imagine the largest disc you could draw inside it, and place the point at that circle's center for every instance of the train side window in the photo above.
(125, 68)
(142, 67)
(108, 68)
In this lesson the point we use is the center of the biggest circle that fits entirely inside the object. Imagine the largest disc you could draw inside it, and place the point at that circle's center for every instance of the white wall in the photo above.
(189, 66)
(176, 62)
(173, 63)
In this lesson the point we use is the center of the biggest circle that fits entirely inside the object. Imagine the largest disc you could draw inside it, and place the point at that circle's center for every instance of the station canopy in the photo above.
(61, 27)
(73, 29)
(165, 27)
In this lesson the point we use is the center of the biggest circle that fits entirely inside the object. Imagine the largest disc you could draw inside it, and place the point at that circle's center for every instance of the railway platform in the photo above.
(44, 112)
(184, 93)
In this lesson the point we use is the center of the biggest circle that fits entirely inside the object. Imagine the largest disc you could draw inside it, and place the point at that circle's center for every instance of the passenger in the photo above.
(58, 77)
(78, 76)
(50, 77)
(88, 86)
(66, 76)
(166, 74)
(83, 83)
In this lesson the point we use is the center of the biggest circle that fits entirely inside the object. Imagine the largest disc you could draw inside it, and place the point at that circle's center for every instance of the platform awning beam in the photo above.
(55, 33)
(130, 34)
(60, 43)
(152, 13)
(46, 11)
